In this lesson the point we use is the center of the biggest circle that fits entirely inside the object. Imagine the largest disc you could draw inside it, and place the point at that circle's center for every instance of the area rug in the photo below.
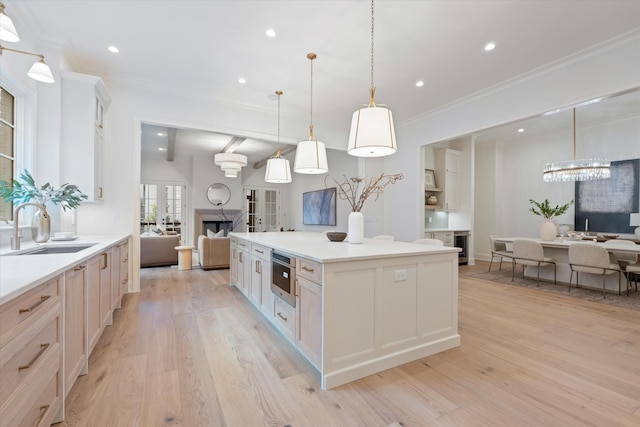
(504, 276)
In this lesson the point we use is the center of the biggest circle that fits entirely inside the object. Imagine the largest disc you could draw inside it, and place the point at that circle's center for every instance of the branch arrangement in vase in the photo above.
(24, 189)
(349, 189)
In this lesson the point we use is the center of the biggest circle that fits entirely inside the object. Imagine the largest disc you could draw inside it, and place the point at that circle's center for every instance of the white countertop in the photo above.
(316, 246)
(21, 273)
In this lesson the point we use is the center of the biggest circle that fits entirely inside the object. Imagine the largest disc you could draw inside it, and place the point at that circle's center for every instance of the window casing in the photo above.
(7, 146)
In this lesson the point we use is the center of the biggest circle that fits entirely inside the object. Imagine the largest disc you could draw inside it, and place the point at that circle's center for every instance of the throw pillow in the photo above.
(219, 233)
(210, 234)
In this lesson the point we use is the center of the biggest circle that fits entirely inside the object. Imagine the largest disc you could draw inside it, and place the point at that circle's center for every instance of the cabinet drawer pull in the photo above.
(43, 411)
(282, 317)
(35, 305)
(259, 251)
(81, 267)
(310, 270)
(106, 264)
(43, 348)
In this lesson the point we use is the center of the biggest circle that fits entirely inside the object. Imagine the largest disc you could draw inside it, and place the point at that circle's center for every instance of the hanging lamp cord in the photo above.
(372, 90)
(311, 57)
(574, 134)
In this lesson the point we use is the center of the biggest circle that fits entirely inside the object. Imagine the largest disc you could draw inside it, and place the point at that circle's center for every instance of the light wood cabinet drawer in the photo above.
(41, 409)
(284, 317)
(310, 270)
(27, 305)
(24, 355)
(260, 251)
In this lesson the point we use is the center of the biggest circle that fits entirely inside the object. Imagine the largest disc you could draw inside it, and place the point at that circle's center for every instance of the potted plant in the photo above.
(544, 209)
(24, 190)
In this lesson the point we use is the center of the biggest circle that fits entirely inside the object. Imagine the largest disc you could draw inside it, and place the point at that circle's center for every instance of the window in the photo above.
(7, 146)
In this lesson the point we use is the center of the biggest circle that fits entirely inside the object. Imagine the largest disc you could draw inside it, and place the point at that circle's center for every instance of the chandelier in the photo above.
(230, 163)
(577, 170)
(278, 169)
(311, 155)
(372, 133)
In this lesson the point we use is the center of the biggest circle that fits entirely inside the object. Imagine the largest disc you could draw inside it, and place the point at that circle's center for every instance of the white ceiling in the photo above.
(201, 48)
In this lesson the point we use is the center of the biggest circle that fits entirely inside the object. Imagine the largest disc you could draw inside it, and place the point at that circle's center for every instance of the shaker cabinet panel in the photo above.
(84, 102)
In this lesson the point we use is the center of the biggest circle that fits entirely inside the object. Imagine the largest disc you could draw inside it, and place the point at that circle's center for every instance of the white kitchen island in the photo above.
(360, 308)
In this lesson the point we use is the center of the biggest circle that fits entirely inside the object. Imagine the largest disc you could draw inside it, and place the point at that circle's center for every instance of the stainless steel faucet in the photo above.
(15, 242)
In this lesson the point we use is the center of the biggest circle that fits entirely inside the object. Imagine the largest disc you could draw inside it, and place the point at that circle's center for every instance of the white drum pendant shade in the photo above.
(278, 171)
(372, 133)
(311, 158)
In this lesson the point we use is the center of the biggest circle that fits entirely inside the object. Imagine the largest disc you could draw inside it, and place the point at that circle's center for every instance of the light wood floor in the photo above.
(189, 350)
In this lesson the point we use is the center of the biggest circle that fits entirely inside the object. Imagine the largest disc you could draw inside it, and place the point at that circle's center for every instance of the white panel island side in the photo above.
(360, 308)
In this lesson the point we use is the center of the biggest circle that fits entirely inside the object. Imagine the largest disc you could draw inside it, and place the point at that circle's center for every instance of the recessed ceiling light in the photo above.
(162, 149)
(270, 33)
(241, 80)
(113, 49)
(160, 134)
(489, 46)
(419, 83)
(520, 130)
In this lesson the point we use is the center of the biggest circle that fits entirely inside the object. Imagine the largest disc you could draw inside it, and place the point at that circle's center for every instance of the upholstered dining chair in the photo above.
(632, 271)
(498, 250)
(384, 237)
(530, 253)
(593, 259)
(432, 242)
(622, 258)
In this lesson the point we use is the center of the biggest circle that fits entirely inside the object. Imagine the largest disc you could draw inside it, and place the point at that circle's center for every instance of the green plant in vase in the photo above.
(24, 190)
(548, 229)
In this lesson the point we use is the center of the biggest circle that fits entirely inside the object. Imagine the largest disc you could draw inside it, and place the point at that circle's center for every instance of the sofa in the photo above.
(156, 251)
(213, 252)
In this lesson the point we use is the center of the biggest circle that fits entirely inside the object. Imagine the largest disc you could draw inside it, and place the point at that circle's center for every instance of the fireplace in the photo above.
(214, 220)
(216, 226)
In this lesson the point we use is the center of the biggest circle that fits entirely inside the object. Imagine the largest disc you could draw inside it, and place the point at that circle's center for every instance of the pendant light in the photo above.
(278, 169)
(8, 31)
(372, 133)
(230, 163)
(39, 71)
(311, 155)
(577, 170)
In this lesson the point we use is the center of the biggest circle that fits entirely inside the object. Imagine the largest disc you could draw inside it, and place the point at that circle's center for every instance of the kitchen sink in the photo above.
(50, 250)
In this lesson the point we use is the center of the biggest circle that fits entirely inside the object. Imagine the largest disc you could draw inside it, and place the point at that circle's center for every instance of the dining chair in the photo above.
(593, 259)
(530, 253)
(432, 242)
(633, 271)
(498, 250)
(622, 258)
(384, 237)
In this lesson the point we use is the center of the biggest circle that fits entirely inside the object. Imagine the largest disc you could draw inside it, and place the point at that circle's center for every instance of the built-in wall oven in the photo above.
(283, 277)
(461, 240)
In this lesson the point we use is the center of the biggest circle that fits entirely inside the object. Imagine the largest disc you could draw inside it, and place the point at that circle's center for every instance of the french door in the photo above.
(163, 204)
(261, 209)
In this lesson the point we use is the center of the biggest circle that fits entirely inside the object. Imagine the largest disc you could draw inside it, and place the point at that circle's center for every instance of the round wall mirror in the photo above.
(218, 194)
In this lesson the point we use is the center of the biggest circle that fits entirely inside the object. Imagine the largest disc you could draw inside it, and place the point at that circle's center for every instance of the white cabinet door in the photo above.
(309, 314)
(447, 163)
(84, 102)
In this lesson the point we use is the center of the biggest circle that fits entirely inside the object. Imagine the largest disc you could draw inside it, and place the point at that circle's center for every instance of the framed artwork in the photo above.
(605, 204)
(429, 178)
(319, 207)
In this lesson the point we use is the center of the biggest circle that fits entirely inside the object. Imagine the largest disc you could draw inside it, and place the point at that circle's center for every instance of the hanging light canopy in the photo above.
(39, 71)
(372, 133)
(278, 169)
(230, 163)
(577, 170)
(311, 154)
(8, 31)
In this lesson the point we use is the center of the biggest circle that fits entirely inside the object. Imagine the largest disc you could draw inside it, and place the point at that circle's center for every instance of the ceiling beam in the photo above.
(171, 143)
(283, 152)
(233, 143)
